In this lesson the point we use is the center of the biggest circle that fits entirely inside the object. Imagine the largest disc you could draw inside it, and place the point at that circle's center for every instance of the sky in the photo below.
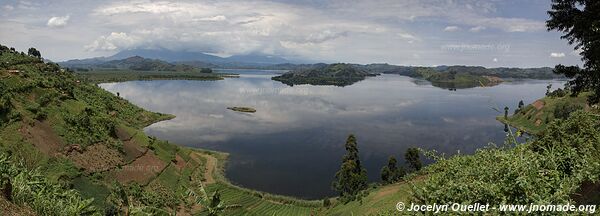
(490, 33)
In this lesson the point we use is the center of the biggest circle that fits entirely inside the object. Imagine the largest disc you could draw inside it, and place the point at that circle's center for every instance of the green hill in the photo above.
(321, 74)
(535, 117)
(451, 78)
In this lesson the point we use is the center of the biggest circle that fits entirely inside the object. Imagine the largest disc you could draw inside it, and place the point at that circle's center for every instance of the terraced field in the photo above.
(254, 204)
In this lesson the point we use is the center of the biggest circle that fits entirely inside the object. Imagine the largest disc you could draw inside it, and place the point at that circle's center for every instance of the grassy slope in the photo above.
(533, 120)
(380, 201)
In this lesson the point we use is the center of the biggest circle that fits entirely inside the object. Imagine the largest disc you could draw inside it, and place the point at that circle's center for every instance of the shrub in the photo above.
(547, 170)
(31, 188)
(564, 109)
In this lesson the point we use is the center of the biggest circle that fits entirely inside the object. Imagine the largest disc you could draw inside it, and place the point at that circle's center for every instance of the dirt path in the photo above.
(211, 165)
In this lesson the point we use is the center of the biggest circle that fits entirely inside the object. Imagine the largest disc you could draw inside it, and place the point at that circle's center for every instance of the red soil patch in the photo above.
(179, 162)
(96, 158)
(209, 168)
(10, 209)
(133, 150)
(43, 137)
(538, 104)
(142, 170)
(122, 134)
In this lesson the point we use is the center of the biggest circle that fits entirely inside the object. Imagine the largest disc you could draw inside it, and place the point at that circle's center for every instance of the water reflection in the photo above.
(294, 142)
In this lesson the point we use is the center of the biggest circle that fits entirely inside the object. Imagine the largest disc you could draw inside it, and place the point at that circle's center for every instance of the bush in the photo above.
(564, 109)
(547, 170)
(326, 202)
(31, 188)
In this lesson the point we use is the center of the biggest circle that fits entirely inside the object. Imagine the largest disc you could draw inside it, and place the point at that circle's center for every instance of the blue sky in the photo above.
(492, 33)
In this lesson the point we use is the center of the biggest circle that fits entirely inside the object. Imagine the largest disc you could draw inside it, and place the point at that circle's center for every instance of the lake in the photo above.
(294, 143)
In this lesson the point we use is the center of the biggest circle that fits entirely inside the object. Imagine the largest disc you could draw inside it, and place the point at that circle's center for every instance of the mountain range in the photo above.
(197, 59)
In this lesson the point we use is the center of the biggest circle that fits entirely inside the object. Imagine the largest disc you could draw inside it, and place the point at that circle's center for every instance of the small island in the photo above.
(242, 109)
(325, 74)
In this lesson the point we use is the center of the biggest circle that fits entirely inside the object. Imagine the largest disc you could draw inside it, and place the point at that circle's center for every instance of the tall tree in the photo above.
(391, 172)
(521, 104)
(505, 112)
(412, 159)
(351, 179)
(579, 20)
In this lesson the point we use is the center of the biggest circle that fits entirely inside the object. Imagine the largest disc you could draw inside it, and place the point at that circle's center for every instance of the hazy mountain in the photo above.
(140, 64)
(167, 55)
(192, 58)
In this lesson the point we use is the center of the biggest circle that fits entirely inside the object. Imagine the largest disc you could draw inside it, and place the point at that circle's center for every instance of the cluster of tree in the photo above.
(323, 74)
(393, 173)
(564, 109)
(34, 53)
(351, 180)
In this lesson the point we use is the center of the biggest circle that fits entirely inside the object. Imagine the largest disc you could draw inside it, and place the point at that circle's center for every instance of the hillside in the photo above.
(88, 149)
(138, 63)
(333, 74)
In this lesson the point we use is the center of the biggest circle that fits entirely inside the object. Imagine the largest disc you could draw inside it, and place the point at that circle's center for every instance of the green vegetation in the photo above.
(138, 63)
(103, 76)
(243, 109)
(391, 172)
(549, 169)
(351, 179)
(24, 186)
(454, 77)
(578, 19)
(321, 74)
(534, 118)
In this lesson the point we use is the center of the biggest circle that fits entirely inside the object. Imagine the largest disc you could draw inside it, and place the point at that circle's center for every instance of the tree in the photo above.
(520, 107)
(351, 179)
(579, 20)
(206, 70)
(412, 159)
(34, 52)
(505, 112)
(548, 88)
(391, 172)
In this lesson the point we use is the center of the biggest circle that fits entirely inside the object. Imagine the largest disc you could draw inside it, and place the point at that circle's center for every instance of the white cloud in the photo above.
(58, 21)
(451, 28)
(8, 7)
(114, 41)
(477, 29)
(411, 38)
(557, 55)
(214, 18)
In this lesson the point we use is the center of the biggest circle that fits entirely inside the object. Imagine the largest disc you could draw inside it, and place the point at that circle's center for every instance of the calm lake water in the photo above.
(294, 143)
